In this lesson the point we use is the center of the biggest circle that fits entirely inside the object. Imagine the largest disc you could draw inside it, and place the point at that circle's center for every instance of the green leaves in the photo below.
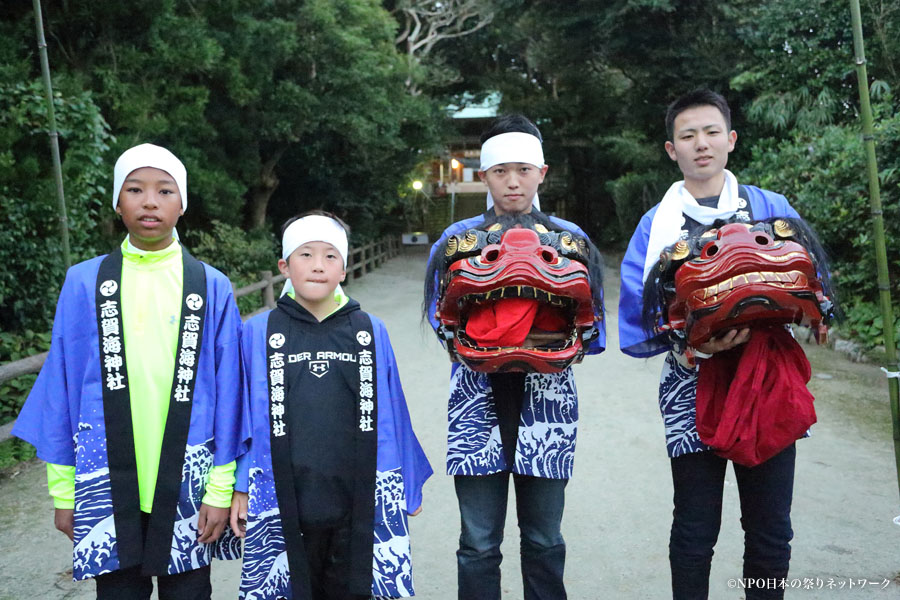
(823, 175)
(238, 254)
(32, 270)
(274, 107)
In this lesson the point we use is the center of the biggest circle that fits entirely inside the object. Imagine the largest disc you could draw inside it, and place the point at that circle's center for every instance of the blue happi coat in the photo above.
(547, 426)
(63, 418)
(401, 471)
(678, 384)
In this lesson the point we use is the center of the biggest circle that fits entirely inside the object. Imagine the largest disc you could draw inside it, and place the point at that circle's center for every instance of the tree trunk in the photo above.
(264, 188)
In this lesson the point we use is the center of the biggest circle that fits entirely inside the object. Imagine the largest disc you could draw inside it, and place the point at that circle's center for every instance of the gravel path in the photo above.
(619, 501)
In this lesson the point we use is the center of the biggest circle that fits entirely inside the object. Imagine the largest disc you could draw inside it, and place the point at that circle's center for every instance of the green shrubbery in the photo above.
(30, 246)
(823, 175)
(238, 254)
(634, 194)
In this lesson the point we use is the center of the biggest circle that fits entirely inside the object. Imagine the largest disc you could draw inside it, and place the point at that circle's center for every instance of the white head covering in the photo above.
(512, 147)
(313, 228)
(148, 155)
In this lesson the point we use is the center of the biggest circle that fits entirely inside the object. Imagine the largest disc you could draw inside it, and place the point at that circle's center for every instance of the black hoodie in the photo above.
(321, 412)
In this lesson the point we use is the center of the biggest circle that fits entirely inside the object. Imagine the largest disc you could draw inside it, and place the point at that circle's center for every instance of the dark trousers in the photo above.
(765, 490)
(327, 552)
(129, 584)
(482, 508)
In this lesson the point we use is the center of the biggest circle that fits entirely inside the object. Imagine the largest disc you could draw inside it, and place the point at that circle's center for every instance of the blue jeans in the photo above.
(766, 491)
(482, 508)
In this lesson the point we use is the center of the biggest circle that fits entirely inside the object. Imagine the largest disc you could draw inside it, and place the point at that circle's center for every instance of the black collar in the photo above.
(299, 313)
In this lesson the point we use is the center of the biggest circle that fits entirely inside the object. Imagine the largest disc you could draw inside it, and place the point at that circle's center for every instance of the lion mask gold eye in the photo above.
(469, 242)
(783, 229)
(452, 245)
(680, 251)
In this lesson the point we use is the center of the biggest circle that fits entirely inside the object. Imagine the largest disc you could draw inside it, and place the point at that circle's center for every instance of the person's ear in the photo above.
(732, 138)
(283, 267)
(482, 175)
(670, 150)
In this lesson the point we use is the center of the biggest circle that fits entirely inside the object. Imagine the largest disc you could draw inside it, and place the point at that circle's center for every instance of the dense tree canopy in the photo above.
(275, 108)
(278, 107)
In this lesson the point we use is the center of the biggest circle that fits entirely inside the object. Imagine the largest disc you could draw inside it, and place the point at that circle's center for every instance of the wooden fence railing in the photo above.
(362, 260)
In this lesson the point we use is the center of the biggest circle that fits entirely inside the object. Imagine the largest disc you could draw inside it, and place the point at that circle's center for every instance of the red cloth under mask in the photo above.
(752, 401)
(507, 322)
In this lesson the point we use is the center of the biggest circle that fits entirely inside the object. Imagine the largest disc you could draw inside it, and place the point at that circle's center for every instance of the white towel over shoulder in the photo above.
(669, 218)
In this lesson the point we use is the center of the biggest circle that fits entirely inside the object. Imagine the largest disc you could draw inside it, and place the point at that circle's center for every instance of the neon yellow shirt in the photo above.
(339, 297)
(152, 284)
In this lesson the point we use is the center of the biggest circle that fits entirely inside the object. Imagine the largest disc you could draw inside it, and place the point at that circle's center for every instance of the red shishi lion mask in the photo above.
(739, 275)
(515, 298)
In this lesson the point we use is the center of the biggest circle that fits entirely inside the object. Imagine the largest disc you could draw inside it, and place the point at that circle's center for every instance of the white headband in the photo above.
(512, 147)
(314, 228)
(148, 155)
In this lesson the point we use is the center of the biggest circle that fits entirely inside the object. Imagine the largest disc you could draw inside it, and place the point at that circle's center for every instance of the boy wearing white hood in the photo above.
(144, 361)
(334, 467)
(498, 426)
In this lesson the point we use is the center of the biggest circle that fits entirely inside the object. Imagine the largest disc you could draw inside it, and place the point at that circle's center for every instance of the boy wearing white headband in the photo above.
(332, 450)
(700, 138)
(512, 167)
(137, 408)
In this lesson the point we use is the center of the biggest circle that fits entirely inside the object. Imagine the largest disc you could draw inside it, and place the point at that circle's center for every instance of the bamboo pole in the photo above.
(54, 135)
(884, 290)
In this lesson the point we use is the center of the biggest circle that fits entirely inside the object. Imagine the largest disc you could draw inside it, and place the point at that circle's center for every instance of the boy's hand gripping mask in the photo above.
(738, 275)
(516, 297)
